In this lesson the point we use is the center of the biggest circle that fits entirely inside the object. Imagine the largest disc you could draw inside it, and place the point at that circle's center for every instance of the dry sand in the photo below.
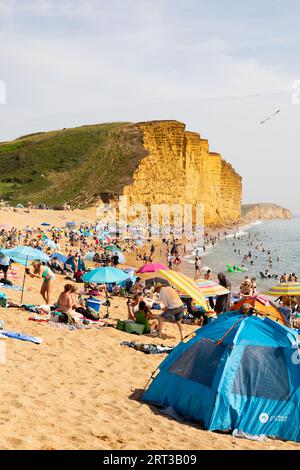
(79, 389)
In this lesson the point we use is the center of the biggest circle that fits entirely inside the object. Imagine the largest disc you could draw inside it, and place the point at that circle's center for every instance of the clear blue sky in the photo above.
(220, 66)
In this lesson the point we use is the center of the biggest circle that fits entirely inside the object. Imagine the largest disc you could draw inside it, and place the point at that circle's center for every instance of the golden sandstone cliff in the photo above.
(180, 169)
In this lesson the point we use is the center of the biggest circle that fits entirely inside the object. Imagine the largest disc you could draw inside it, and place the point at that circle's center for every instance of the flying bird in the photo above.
(270, 117)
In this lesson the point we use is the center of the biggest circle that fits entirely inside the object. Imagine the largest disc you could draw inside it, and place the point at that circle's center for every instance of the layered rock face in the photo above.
(180, 169)
(264, 211)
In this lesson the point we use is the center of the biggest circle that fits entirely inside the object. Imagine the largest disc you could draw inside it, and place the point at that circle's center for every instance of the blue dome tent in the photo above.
(238, 372)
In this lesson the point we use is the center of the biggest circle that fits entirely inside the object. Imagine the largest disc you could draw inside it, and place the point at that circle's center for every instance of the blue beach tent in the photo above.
(238, 372)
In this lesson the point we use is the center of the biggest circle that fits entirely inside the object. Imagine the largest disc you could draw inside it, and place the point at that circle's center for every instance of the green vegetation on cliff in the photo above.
(71, 165)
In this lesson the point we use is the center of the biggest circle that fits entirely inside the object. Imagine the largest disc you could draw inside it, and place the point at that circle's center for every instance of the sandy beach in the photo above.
(79, 389)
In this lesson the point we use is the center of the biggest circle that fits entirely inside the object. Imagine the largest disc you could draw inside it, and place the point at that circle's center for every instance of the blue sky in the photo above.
(220, 66)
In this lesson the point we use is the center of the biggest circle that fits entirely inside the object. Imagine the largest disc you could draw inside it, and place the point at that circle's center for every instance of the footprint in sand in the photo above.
(14, 441)
(39, 402)
(16, 404)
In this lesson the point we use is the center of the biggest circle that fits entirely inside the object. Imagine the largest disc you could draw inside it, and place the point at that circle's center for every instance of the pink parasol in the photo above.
(152, 268)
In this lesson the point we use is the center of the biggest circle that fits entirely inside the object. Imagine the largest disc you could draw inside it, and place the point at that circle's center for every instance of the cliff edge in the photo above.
(179, 168)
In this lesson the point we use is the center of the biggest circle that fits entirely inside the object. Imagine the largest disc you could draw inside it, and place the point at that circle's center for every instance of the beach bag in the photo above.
(121, 325)
(156, 306)
(3, 299)
(89, 313)
(65, 318)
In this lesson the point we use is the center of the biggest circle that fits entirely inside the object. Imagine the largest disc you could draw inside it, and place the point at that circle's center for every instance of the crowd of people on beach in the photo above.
(68, 252)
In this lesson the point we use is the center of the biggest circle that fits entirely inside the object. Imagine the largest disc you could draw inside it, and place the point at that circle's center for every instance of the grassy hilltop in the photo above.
(71, 165)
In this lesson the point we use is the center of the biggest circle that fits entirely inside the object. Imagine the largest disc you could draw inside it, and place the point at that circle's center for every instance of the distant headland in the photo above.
(264, 211)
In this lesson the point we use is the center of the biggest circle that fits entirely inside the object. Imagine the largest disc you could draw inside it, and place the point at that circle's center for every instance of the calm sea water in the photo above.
(281, 237)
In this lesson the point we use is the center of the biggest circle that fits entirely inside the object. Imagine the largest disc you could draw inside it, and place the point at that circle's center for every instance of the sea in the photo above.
(280, 237)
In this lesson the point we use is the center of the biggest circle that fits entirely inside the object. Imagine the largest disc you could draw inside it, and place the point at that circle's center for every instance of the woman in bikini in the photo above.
(68, 302)
(43, 272)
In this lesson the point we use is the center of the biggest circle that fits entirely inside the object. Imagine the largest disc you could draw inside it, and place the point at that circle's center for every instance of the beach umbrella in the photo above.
(185, 284)
(152, 268)
(46, 224)
(59, 256)
(90, 255)
(210, 288)
(49, 243)
(105, 275)
(284, 289)
(23, 255)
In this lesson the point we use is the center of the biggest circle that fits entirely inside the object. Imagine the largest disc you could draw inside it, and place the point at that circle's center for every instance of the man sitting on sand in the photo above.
(173, 308)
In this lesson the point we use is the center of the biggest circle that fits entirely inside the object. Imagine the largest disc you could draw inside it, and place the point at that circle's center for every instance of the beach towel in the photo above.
(21, 336)
(78, 326)
(3, 286)
(38, 319)
(30, 308)
(148, 348)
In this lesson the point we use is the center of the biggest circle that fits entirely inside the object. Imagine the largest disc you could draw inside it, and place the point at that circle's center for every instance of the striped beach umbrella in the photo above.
(185, 284)
(210, 288)
(284, 289)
